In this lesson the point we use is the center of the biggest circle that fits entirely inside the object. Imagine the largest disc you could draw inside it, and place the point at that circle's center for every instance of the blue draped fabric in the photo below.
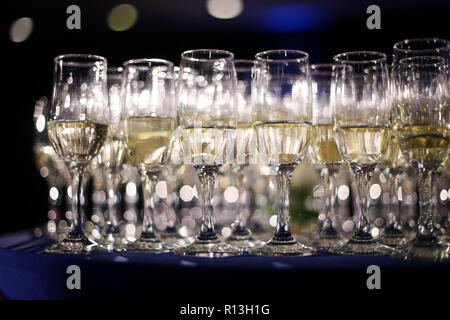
(27, 273)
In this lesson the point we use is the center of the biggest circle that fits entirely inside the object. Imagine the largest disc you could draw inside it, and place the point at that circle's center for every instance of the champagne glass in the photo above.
(207, 112)
(77, 130)
(324, 149)
(148, 121)
(282, 120)
(50, 166)
(423, 47)
(421, 125)
(245, 155)
(109, 161)
(393, 164)
(361, 122)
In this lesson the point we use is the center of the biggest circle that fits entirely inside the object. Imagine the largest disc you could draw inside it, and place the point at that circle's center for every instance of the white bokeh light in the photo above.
(186, 193)
(231, 194)
(443, 195)
(343, 192)
(161, 189)
(54, 194)
(224, 9)
(375, 191)
(21, 29)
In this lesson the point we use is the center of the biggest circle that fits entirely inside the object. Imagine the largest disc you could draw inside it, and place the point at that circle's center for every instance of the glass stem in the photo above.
(284, 175)
(77, 218)
(363, 176)
(425, 224)
(240, 222)
(327, 178)
(148, 182)
(393, 226)
(207, 175)
(111, 217)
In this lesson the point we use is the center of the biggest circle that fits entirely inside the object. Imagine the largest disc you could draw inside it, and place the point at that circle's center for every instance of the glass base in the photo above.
(290, 248)
(75, 245)
(243, 240)
(397, 241)
(426, 250)
(323, 242)
(174, 240)
(113, 242)
(362, 247)
(148, 244)
(208, 249)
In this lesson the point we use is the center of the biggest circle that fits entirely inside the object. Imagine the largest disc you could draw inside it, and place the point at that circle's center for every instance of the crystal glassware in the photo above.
(245, 155)
(109, 160)
(325, 154)
(361, 122)
(282, 120)
(77, 130)
(207, 111)
(421, 125)
(148, 120)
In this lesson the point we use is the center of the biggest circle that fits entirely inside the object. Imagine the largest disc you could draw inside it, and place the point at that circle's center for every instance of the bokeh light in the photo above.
(224, 9)
(21, 29)
(122, 17)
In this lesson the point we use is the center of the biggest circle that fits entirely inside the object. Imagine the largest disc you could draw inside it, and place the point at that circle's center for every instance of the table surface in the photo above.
(27, 273)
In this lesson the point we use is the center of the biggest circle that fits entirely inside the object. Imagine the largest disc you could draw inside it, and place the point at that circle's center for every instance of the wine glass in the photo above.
(110, 160)
(207, 113)
(77, 130)
(393, 164)
(148, 120)
(282, 120)
(424, 47)
(421, 125)
(49, 165)
(245, 155)
(324, 149)
(361, 122)
(421, 47)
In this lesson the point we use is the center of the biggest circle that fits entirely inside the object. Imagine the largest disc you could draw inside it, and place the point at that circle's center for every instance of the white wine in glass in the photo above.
(361, 109)
(282, 120)
(148, 124)
(77, 130)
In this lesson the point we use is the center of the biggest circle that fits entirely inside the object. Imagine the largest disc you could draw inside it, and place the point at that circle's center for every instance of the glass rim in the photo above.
(147, 62)
(303, 56)
(445, 44)
(379, 57)
(79, 59)
(435, 61)
(189, 55)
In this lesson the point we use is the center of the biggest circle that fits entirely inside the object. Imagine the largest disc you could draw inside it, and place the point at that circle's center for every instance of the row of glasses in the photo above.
(208, 122)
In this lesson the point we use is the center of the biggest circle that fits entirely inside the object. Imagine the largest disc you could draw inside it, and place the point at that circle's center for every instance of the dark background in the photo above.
(164, 29)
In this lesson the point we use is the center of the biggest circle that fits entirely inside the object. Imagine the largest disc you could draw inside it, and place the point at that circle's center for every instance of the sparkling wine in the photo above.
(77, 141)
(282, 142)
(424, 143)
(363, 145)
(246, 144)
(208, 143)
(324, 145)
(147, 140)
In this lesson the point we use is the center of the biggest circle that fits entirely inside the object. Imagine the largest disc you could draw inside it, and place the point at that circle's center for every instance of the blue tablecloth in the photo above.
(26, 273)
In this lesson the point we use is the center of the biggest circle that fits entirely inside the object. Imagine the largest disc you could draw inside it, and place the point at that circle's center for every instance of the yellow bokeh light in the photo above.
(122, 17)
